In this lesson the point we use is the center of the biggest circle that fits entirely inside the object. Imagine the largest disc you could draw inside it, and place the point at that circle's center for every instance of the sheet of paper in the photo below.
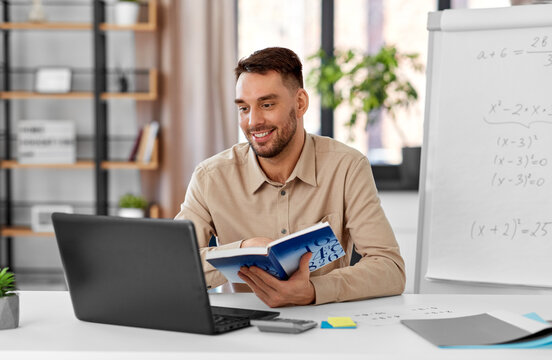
(391, 315)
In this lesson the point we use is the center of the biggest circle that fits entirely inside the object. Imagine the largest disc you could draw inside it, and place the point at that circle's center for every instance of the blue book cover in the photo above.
(281, 257)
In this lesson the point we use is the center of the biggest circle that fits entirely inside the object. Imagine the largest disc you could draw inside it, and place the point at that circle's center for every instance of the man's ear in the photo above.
(301, 102)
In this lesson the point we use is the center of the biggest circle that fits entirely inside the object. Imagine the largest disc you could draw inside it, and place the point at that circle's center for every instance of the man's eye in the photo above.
(242, 108)
(267, 105)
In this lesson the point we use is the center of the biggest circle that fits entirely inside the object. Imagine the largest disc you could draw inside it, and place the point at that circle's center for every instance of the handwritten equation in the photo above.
(522, 180)
(516, 165)
(510, 230)
(388, 316)
(516, 141)
(539, 46)
(521, 161)
(519, 113)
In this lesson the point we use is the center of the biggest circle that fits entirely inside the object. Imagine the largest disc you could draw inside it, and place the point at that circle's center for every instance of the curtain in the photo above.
(195, 52)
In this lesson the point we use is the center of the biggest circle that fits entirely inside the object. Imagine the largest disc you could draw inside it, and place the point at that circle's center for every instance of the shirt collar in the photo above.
(305, 169)
(255, 176)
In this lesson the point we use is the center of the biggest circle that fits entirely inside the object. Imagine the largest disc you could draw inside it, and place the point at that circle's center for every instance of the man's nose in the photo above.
(255, 118)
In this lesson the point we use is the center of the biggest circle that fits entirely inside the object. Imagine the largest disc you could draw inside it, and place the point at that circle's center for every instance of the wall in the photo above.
(401, 208)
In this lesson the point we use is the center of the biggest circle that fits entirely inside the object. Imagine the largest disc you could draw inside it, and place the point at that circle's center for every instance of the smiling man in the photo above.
(284, 180)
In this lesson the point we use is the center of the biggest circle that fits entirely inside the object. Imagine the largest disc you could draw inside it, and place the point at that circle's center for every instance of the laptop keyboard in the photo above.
(225, 318)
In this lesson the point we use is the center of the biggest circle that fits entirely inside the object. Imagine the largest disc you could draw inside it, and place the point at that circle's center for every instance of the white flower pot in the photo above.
(9, 312)
(131, 213)
(126, 13)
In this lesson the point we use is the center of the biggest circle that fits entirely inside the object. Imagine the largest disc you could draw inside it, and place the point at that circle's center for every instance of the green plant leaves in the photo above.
(367, 82)
(132, 201)
(7, 283)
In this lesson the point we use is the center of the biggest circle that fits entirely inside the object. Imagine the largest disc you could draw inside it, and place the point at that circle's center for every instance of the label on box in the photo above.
(46, 142)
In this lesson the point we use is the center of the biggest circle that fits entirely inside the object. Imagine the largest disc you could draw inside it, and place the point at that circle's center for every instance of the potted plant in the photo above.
(9, 301)
(369, 84)
(126, 12)
(132, 206)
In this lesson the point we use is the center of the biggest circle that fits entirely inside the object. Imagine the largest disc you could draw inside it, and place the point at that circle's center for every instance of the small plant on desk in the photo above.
(9, 300)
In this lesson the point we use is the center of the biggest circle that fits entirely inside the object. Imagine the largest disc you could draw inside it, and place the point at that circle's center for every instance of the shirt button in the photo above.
(283, 192)
(284, 231)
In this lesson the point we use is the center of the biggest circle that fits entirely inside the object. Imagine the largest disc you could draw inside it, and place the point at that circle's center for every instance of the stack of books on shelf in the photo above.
(145, 142)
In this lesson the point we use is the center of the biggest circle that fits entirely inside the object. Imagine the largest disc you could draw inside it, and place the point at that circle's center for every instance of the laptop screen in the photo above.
(134, 272)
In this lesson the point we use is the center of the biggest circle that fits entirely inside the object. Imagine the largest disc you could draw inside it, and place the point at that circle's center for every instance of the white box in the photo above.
(46, 142)
(41, 216)
(53, 80)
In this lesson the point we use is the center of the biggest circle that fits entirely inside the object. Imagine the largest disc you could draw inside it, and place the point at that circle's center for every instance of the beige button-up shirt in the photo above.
(229, 196)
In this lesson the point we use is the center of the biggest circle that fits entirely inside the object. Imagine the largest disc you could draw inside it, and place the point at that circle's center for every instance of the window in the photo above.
(359, 24)
(367, 25)
(287, 23)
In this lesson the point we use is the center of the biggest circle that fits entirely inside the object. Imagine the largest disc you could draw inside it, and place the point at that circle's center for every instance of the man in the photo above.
(284, 180)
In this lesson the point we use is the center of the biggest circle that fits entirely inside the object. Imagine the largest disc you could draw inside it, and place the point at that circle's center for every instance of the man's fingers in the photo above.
(256, 276)
(303, 266)
(265, 277)
(256, 289)
(304, 263)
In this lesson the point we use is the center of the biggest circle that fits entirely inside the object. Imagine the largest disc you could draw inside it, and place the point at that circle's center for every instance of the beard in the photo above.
(281, 138)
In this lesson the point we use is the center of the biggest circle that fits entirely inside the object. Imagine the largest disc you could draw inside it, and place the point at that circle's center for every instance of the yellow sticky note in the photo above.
(341, 321)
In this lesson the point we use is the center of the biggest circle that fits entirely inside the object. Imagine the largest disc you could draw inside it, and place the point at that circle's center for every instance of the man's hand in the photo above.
(297, 290)
(256, 241)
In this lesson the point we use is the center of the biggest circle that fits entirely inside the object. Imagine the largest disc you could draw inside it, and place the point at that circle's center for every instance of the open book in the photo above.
(281, 257)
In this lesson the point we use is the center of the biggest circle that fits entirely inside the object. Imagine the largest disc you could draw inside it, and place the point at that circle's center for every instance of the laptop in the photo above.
(141, 272)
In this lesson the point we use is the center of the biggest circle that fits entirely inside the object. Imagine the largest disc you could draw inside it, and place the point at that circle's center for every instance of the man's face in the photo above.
(267, 112)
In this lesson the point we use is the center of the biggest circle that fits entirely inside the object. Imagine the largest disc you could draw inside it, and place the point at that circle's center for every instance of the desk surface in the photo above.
(48, 326)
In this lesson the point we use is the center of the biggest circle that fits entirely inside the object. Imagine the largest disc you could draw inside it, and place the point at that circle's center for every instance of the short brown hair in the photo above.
(281, 60)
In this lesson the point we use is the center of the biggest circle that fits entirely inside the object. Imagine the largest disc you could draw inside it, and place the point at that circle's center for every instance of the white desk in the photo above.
(49, 330)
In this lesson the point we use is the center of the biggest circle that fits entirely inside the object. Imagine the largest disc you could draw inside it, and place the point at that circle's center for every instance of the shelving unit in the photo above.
(100, 164)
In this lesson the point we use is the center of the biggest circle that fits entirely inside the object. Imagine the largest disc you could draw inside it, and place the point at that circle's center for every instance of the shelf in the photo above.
(151, 95)
(12, 164)
(79, 165)
(35, 95)
(151, 25)
(76, 26)
(45, 26)
(89, 164)
(72, 96)
(136, 27)
(25, 231)
(128, 165)
(22, 231)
